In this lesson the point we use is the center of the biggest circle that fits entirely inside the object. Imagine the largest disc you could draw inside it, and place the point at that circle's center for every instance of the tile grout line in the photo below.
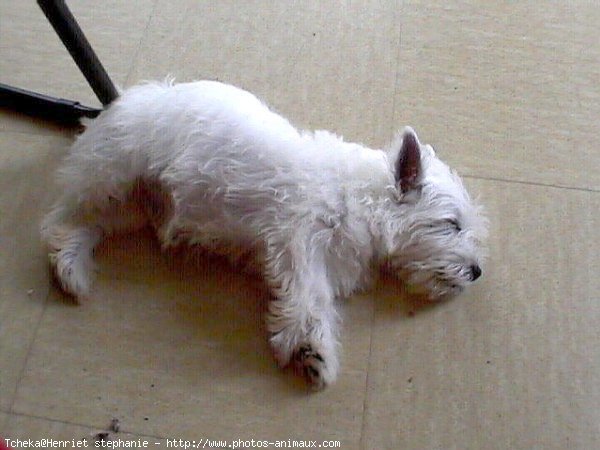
(34, 337)
(139, 47)
(363, 425)
(77, 424)
(397, 79)
(28, 354)
(531, 183)
(71, 135)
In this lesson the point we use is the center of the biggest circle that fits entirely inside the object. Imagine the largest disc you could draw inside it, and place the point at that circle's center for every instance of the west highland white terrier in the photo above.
(208, 163)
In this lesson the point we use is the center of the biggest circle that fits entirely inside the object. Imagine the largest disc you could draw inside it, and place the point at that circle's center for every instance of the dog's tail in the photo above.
(70, 247)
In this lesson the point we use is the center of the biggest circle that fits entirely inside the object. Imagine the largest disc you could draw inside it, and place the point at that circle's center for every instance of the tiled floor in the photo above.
(173, 345)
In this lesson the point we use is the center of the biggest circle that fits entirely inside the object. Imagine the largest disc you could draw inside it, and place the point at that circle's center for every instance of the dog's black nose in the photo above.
(475, 272)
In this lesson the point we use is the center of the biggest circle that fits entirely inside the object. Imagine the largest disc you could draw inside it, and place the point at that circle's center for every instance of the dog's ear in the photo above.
(408, 164)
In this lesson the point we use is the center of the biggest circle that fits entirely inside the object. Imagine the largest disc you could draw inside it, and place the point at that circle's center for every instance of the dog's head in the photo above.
(433, 231)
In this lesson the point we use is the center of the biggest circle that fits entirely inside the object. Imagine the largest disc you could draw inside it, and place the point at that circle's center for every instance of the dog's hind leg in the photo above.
(70, 254)
(74, 227)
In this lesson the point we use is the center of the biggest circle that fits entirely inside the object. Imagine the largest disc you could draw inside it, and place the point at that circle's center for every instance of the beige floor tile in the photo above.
(505, 90)
(32, 56)
(175, 346)
(26, 163)
(514, 363)
(20, 123)
(320, 64)
(70, 435)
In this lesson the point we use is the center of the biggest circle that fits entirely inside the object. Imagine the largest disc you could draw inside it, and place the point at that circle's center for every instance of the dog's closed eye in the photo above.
(447, 225)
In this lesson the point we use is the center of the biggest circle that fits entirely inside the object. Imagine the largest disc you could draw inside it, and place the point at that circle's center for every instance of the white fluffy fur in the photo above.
(208, 163)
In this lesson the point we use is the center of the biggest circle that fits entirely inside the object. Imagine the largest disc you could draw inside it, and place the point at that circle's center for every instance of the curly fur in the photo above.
(207, 163)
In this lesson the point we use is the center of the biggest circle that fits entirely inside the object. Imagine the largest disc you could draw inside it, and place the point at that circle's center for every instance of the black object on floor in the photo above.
(67, 112)
(56, 109)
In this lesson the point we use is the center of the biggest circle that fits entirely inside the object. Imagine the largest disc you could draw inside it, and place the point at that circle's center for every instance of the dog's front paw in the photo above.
(318, 370)
(315, 360)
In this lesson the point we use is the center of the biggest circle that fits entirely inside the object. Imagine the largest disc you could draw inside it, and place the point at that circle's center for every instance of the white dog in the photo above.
(207, 163)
